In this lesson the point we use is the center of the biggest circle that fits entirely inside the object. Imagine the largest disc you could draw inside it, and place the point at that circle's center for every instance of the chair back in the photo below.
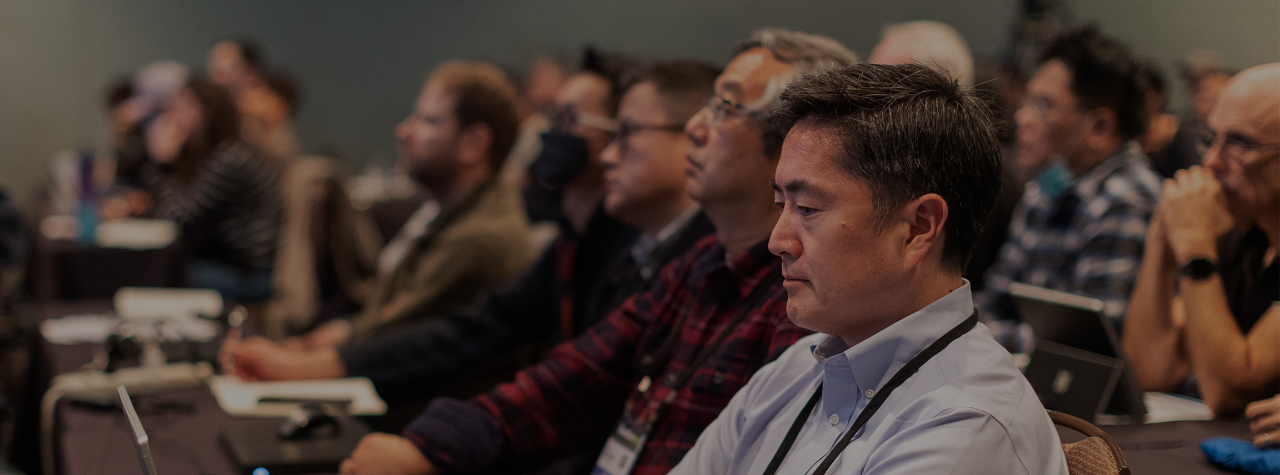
(1097, 454)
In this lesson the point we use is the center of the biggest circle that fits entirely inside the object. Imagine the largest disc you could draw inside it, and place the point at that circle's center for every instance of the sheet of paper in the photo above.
(1162, 407)
(244, 398)
(166, 303)
(136, 233)
(96, 327)
(76, 329)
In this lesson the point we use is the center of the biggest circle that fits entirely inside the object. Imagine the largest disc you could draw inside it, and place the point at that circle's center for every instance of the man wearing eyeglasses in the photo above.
(1080, 225)
(1205, 302)
(644, 382)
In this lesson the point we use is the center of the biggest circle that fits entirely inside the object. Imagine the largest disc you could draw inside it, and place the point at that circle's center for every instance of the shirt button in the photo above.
(717, 378)
(871, 393)
(834, 419)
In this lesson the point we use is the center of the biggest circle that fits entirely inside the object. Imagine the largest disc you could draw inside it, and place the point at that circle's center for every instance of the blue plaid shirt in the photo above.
(1087, 241)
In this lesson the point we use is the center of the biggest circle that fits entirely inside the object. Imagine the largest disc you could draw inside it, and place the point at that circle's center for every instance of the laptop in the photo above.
(141, 444)
(1078, 365)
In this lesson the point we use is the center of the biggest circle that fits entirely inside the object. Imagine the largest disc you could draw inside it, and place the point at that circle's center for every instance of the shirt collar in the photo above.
(644, 247)
(1088, 186)
(749, 268)
(881, 355)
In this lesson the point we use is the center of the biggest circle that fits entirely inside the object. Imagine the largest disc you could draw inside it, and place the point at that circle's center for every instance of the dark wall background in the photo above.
(361, 62)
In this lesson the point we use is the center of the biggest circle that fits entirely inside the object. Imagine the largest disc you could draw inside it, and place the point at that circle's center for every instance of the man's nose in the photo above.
(611, 154)
(696, 128)
(781, 241)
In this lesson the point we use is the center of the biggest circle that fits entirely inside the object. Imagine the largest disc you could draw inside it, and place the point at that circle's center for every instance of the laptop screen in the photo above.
(140, 442)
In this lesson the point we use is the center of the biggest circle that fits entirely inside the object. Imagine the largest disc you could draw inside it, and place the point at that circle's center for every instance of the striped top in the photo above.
(231, 211)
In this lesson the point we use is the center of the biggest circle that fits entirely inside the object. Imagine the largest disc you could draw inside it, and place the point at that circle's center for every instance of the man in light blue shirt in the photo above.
(885, 179)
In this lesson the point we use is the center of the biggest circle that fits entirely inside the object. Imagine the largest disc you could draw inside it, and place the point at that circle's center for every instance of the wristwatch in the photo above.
(1200, 268)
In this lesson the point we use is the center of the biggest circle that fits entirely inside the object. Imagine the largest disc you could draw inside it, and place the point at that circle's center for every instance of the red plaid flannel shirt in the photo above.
(572, 400)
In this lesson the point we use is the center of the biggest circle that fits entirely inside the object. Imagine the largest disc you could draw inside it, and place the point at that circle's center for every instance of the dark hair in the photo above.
(619, 70)
(682, 86)
(1103, 74)
(119, 91)
(221, 125)
(1153, 79)
(908, 131)
(252, 54)
(485, 95)
(284, 85)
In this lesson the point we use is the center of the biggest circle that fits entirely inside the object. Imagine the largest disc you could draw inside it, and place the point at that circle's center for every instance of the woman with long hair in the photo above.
(222, 192)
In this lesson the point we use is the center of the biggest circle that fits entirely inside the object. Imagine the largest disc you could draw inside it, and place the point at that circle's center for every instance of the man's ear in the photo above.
(925, 216)
(474, 143)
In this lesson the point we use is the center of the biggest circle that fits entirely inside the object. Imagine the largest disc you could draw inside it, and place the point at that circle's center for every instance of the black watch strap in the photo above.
(1199, 268)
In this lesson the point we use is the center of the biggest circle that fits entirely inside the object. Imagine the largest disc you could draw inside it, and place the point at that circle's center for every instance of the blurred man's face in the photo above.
(580, 106)
(1245, 156)
(727, 162)
(1050, 121)
(226, 66)
(837, 261)
(1207, 90)
(427, 140)
(644, 164)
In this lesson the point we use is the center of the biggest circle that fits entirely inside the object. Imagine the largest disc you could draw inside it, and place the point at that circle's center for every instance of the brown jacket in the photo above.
(465, 253)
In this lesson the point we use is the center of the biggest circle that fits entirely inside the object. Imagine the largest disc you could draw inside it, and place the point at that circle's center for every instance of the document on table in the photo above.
(1163, 407)
(280, 398)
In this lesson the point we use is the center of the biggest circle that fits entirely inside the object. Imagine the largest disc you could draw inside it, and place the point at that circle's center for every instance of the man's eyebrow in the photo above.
(732, 87)
(800, 187)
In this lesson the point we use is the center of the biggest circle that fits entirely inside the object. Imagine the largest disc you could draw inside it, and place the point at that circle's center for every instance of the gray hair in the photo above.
(807, 54)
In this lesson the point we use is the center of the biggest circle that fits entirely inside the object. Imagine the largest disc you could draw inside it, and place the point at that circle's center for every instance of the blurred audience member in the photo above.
(266, 109)
(1206, 301)
(723, 300)
(218, 189)
(1162, 125)
(1079, 228)
(930, 43)
(131, 106)
(127, 140)
(563, 164)
(235, 64)
(452, 144)
(1205, 76)
(537, 102)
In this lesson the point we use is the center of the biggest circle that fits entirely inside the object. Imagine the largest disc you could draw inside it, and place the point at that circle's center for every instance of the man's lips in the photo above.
(688, 159)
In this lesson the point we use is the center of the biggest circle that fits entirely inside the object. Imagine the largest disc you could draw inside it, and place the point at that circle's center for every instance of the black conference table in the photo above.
(184, 427)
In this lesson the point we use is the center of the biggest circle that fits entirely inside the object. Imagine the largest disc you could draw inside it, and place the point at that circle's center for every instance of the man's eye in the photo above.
(806, 211)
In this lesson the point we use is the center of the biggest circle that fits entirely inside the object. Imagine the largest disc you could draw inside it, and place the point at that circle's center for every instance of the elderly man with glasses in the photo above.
(648, 379)
(1205, 302)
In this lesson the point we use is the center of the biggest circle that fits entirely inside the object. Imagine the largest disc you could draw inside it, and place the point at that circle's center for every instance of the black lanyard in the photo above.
(667, 349)
(898, 378)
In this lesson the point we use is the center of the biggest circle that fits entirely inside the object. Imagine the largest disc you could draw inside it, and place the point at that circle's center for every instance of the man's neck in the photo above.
(741, 225)
(1086, 160)
(579, 201)
(912, 296)
(449, 193)
(654, 218)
